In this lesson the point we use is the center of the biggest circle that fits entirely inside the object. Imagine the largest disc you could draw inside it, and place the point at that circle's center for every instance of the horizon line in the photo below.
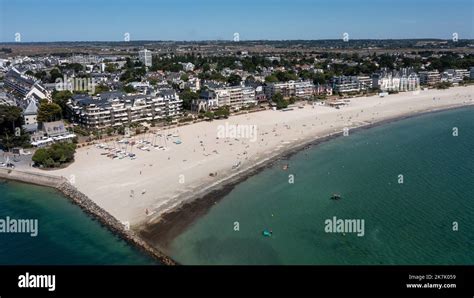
(240, 41)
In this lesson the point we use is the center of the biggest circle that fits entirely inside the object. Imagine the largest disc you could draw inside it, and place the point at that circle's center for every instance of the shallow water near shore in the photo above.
(405, 223)
(66, 235)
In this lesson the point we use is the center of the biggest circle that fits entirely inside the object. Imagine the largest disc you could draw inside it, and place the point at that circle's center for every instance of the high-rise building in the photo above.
(145, 57)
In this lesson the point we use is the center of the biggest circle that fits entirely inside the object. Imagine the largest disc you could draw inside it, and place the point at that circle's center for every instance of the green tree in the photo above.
(40, 156)
(271, 79)
(222, 112)
(54, 156)
(101, 88)
(54, 74)
(187, 96)
(234, 80)
(48, 112)
(284, 76)
(11, 132)
(209, 115)
(41, 75)
(61, 98)
(280, 101)
(184, 77)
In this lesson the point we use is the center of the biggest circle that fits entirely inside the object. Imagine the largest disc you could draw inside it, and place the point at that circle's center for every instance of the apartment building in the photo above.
(113, 109)
(302, 89)
(345, 84)
(235, 97)
(454, 75)
(365, 82)
(429, 77)
(24, 85)
(145, 57)
(396, 81)
(323, 90)
(85, 59)
(248, 96)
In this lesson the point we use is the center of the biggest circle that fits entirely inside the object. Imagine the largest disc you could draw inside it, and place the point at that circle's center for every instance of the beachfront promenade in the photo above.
(140, 190)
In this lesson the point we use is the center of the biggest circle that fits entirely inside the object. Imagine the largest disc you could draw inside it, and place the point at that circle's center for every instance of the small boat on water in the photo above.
(267, 233)
(286, 166)
(336, 197)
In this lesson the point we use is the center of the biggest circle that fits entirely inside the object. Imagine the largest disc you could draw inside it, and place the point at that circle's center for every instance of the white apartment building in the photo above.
(302, 89)
(235, 97)
(248, 96)
(85, 59)
(145, 57)
(396, 82)
(454, 75)
(117, 109)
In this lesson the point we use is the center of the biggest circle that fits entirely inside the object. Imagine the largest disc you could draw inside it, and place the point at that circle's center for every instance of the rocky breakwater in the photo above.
(111, 222)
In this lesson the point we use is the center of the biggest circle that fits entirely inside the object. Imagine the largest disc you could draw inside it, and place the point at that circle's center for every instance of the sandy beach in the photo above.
(141, 190)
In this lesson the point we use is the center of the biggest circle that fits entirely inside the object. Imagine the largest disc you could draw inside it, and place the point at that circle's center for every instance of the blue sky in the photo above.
(108, 20)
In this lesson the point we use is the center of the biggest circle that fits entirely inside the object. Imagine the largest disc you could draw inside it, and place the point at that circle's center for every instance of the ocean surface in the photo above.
(66, 235)
(425, 216)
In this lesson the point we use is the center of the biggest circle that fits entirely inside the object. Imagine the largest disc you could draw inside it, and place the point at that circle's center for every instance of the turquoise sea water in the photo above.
(408, 223)
(66, 235)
